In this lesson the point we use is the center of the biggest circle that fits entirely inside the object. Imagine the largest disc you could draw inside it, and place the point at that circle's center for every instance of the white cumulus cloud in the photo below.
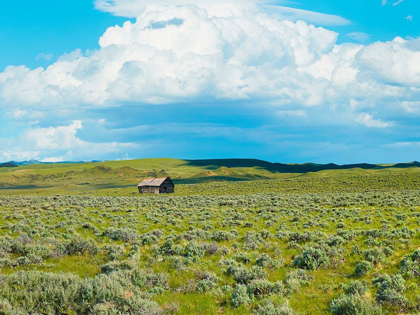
(187, 53)
(395, 62)
(411, 107)
(368, 121)
(17, 113)
(63, 137)
(174, 53)
(56, 144)
(18, 154)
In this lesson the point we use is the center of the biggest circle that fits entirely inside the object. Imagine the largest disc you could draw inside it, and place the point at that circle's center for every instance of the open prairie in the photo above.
(331, 242)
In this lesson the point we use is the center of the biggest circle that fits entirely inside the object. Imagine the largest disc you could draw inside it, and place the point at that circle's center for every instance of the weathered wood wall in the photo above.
(167, 187)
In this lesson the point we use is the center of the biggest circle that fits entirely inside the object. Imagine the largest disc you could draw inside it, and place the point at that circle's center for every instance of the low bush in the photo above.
(269, 308)
(239, 296)
(266, 261)
(121, 234)
(243, 275)
(362, 268)
(390, 290)
(262, 288)
(410, 265)
(206, 281)
(312, 258)
(297, 278)
(81, 246)
(354, 304)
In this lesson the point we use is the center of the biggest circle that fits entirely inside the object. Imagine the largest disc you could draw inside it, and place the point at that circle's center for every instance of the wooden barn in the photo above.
(162, 185)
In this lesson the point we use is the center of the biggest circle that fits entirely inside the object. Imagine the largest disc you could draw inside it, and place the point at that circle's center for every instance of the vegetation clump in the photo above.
(312, 258)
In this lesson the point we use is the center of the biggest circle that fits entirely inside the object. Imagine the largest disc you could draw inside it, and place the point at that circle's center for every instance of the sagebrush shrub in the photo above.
(262, 288)
(297, 278)
(239, 296)
(312, 258)
(354, 304)
(362, 268)
(269, 308)
(390, 290)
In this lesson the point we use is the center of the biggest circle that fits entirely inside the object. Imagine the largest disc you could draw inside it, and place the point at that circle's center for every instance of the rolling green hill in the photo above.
(74, 176)
(61, 177)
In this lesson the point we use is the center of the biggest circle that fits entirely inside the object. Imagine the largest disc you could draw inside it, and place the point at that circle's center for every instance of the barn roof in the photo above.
(154, 182)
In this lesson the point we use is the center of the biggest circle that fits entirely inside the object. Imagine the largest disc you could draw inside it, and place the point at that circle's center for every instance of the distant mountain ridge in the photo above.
(31, 162)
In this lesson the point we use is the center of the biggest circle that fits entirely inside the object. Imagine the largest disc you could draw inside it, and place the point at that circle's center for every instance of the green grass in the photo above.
(346, 213)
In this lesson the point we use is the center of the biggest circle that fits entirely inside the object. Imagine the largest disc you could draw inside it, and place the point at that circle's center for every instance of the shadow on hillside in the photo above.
(24, 187)
(289, 168)
(211, 179)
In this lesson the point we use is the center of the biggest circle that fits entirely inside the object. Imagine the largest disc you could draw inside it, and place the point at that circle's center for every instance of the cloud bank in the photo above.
(181, 53)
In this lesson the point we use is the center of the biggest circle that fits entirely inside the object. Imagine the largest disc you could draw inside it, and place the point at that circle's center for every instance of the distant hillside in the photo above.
(292, 168)
(110, 174)
(212, 164)
(8, 164)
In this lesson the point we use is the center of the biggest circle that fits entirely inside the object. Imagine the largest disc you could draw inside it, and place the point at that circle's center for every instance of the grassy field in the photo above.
(331, 242)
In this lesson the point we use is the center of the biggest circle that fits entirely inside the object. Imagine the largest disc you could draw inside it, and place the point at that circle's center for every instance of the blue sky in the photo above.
(290, 81)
